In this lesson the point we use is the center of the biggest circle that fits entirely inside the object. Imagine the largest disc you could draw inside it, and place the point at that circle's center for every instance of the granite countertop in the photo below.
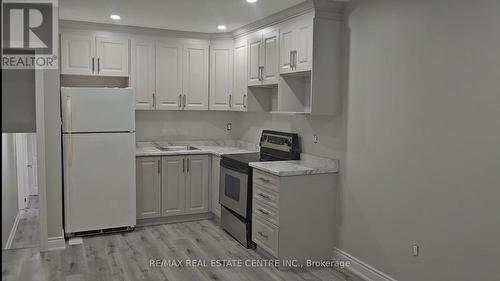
(217, 147)
(308, 165)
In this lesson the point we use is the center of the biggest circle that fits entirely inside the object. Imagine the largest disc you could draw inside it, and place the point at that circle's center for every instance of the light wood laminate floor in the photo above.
(126, 256)
(28, 230)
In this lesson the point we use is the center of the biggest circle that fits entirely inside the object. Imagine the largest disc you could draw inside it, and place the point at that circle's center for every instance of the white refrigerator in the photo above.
(99, 159)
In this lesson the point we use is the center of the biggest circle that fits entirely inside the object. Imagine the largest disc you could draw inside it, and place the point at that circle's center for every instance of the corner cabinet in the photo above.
(87, 54)
(148, 186)
(221, 74)
(263, 57)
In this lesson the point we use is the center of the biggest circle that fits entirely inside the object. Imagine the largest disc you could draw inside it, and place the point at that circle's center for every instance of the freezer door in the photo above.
(99, 181)
(97, 110)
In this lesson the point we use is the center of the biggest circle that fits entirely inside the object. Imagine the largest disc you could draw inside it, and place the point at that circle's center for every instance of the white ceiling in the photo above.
(185, 15)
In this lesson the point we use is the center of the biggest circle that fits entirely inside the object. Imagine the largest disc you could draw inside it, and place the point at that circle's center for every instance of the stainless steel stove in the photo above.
(235, 193)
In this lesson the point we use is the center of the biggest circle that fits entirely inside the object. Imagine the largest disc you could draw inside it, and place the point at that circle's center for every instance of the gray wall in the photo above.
(423, 143)
(178, 125)
(18, 101)
(9, 185)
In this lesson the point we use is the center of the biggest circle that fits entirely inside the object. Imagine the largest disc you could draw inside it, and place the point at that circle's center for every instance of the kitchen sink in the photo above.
(175, 147)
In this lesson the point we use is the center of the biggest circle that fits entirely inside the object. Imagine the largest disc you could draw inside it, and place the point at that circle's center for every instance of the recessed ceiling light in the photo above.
(115, 17)
(251, 1)
(221, 27)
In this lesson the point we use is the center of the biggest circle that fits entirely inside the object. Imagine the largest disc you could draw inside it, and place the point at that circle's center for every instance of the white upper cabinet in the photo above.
(87, 54)
(112, 56)
(270, 57)
(221, 75)
(239, 95)
(168, 75)
(142, 74)
(296, 45)
(254, 53)
(77, 53)
(195, 78)
(263, 57)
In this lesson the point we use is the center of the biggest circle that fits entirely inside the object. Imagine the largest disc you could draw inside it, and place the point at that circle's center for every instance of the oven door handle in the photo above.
(243, 171)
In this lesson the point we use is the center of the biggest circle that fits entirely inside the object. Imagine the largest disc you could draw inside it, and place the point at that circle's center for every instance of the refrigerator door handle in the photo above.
(69, 128)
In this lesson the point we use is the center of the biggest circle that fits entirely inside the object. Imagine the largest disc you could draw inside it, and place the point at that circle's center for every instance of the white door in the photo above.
(287, 46)
(254, 59)
(173, 178)
(270, 57)
(97, 109)
(240, 76)
(197, 184)
(195, 78)
(99, 181)
(32, 164)
(303, 46)
(215, 185)
(168, 75)
(221, 75)
(112, 56)
(148, 185)
(77, 54)
(22, 170)
(143, 73)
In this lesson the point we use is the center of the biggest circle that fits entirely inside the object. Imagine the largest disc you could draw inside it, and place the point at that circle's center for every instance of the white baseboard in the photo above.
(361, 269)
(56, 243)
(13, 231)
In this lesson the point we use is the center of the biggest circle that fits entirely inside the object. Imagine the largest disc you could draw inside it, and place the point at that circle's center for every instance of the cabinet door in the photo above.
(287, 45)
(215, 186)
(173, 177)
(221, 75)
(254, 59)
(240, 76)
(77, 54)
(270, 57)
(112, 56)
(142, 78)
(148, 187)
(303, 46)
(195, 78)
(168, 75)
(197, 184)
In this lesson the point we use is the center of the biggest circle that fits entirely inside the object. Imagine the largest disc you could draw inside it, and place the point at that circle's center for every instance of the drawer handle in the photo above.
(264, 179)
(264, 212)
(263, 195)
(262, 234)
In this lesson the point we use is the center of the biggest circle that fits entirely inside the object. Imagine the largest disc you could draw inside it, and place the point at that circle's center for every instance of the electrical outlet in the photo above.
(315, 138)
(229, 126)
(415, 250)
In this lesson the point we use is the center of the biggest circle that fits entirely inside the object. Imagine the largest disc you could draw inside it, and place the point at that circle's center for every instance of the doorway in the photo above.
(27, 233)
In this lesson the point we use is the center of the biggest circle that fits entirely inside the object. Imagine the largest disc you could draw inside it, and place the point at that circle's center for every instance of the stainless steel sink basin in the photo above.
(176, 147)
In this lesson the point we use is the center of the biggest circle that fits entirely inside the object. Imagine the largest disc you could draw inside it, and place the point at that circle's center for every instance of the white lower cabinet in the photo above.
(172, 185)
(148, 186)
(196, 184)
(215, 206)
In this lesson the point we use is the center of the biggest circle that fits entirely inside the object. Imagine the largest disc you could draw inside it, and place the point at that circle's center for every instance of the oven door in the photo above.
(233, 190)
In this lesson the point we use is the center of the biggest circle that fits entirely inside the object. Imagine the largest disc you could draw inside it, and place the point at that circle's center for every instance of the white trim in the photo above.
(13, 231)
(360, 268)
(40, 143)
(56, 243)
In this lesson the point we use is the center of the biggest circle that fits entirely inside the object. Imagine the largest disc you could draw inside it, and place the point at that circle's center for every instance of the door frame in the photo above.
(40, 147)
